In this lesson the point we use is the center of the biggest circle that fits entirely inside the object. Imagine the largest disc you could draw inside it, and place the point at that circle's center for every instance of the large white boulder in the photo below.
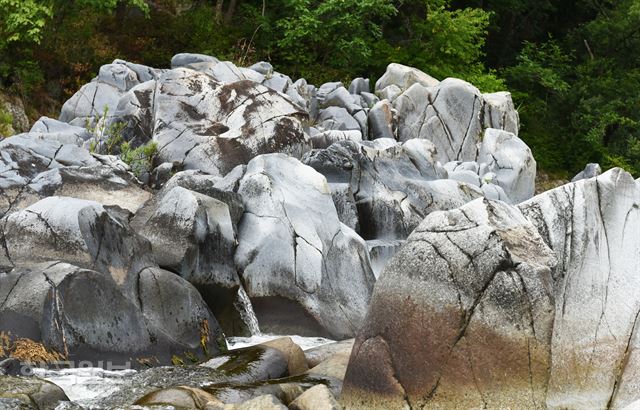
(305, 271)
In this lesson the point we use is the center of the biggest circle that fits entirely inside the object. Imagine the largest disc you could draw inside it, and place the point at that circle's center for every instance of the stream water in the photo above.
(83, 385)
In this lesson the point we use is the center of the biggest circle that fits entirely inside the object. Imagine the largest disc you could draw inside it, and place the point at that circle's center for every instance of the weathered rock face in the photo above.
(395, 185)
(404, 77)
(30, 392)
(592, 226)
(211, 126)
(461, 317)
(76, 231)
(192, 228)
(453, 115)
(103, 94)
(109, 300)
(511, 163)
(41, 164)
(305, 272)
(85, 315)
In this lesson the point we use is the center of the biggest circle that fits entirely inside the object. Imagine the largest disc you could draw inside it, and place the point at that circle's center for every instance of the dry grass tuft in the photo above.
(27, 350)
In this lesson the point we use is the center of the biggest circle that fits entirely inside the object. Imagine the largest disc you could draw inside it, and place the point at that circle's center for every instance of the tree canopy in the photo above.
(571, 65)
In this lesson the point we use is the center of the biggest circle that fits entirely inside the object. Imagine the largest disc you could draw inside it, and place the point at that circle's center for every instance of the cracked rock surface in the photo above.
(496, 306)
(208, 125)
(90, 288)
(460, 318)
(304, 270)
(593, 226)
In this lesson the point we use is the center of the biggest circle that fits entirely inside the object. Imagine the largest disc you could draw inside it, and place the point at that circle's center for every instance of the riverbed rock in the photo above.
(101, 96)
(266, 402)
(181, 397)
(31, 391)
(404, 77)
(460, 318)
(80, 232)
(208, 125)
(317, 355)
(381, 121)
(511, 162)
(451, 115)
(316, 398)
(589, 171)
(195, 235)
(61, 131)
(166, 316)
(305, 272)
(592, 226)
(156, 312)
(395, 185)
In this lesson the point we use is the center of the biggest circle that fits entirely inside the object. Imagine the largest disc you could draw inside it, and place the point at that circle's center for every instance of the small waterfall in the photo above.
(243, 304)
(381, 251)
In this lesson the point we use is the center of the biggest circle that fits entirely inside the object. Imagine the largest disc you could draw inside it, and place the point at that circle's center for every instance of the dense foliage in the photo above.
(572, 65)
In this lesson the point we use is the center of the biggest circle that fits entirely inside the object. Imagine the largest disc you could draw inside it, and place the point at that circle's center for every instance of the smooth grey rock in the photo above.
(590, 171)
(460, 318)
(100, 183)
(278, 82)
(60, 131)
(395, 185)
(143, 72)
(326, 88)
(359, 85)
(340, 97)
(319, 354)
(101, 95)
(500, 113)
(369, 99)
(495, 192)
(265, 402)
(195, 235)
(263, 68)
(448, 115)
(511, 160)
(381, 121)
(185, 59)
(305, 272)
(76, 231)
(345, 203)
(336, 118)
(30, 392)
(468, 177)
(389, 93)
(316, 398)
(87, 316)
(453, 116)
(326, 138)
(404, 77)
(227, 72)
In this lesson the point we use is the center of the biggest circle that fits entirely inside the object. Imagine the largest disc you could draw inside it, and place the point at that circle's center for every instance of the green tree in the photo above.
(444, 42)
(22, 22)
(331, 39)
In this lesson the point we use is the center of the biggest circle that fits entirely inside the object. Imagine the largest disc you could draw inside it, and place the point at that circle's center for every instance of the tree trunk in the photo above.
(230, 12)
(218, 11)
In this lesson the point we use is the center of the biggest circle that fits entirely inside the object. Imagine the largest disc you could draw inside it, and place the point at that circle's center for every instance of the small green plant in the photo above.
(139, 159)
(6, 121)
(112, 142)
